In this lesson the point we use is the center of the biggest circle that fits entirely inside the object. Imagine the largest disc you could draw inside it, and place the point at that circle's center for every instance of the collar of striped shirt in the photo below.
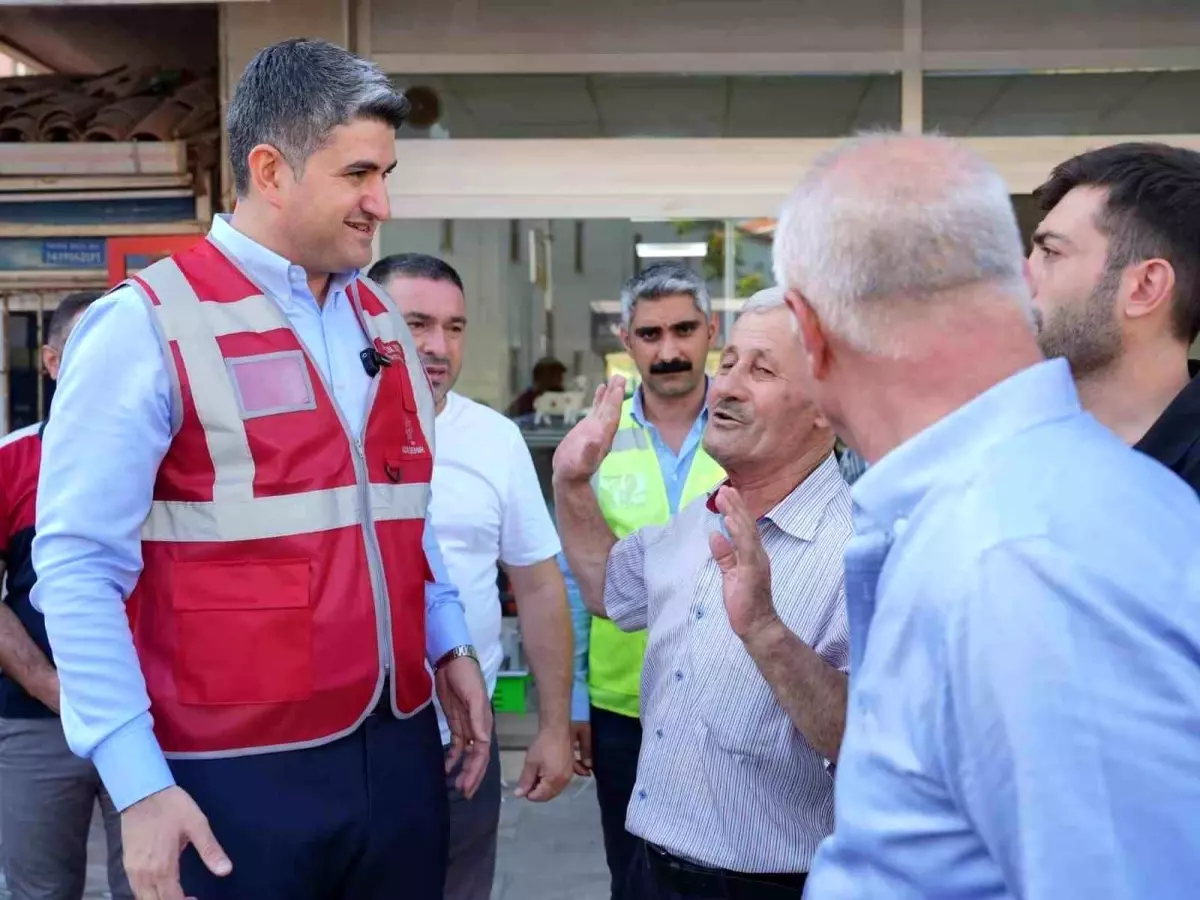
(800, 513)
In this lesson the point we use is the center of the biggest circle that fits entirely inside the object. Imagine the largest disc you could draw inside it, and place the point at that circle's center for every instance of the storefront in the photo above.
(549, 140)
(554, 140)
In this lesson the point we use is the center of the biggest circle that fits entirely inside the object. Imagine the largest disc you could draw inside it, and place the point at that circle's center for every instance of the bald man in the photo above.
(1023, 589)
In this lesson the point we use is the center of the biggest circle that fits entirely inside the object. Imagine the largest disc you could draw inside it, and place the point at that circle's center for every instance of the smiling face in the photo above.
(760, 414)
(330, 209)
(437, 317)
(669, 339)
(1075, 294)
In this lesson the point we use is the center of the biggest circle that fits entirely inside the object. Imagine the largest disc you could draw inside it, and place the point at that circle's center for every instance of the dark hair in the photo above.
(69, 307)
(294, 93)
(414, 265)
(1152, 211)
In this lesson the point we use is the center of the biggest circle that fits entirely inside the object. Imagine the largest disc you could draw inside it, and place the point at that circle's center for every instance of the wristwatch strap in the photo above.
(456, 653)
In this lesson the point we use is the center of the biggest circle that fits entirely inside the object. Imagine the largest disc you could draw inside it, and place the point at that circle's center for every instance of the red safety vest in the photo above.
(284, 574)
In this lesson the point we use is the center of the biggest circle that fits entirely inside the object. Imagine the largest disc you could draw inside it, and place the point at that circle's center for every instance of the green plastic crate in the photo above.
(512, 692)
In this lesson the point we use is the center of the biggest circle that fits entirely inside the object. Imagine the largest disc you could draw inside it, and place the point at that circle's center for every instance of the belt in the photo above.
(685, 878)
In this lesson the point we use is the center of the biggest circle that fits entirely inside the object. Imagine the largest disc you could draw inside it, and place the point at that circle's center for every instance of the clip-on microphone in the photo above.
(373, 361)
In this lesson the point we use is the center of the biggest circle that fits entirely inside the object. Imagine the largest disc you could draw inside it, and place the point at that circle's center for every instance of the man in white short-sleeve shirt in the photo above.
(488, 509)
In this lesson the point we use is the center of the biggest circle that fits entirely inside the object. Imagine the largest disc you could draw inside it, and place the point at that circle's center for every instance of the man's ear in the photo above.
(51, 360)
(1147, 287)
(268, 172)
(624, 334)
(812, 334)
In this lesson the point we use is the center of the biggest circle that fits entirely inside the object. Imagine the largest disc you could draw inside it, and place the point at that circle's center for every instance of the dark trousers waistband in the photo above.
(688, 878)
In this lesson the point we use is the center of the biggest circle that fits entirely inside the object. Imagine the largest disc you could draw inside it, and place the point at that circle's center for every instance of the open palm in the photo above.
(745, 567)
(580, 453)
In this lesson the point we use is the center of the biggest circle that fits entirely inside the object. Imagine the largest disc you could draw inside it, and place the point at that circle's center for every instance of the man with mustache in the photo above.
(487, 510)
(1115, 272)
(657, 466)
(744, 689)
(242, 595)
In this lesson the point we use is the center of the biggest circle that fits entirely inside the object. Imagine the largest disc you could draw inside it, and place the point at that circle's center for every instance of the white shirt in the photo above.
(487, 508)
(724, 778)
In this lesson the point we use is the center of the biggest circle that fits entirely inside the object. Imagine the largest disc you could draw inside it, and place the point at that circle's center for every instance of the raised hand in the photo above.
(745, 568)
(583, 449)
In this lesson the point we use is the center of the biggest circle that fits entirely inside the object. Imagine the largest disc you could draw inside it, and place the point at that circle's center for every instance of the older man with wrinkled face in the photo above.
(743, 690)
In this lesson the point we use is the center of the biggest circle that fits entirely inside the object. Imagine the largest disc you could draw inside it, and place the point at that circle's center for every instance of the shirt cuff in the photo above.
(131, 764)
(581, 706)
(445, 629)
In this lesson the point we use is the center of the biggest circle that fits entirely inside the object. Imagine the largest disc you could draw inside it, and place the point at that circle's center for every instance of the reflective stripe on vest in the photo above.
(284, 563)
(631, 494)
(270, 517)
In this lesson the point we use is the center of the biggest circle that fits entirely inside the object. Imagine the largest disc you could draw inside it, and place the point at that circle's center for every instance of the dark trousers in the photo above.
(616, 742)
(474, 828)
(360, 818)
(651, 877)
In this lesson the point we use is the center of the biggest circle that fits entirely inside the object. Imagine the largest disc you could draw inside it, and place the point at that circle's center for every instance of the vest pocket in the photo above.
(245, 631)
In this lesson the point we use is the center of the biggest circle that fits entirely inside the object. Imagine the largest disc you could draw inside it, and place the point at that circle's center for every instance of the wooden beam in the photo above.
(94, 158)
(51, 183)
(73, 196)
(51, 279)
(100, 229)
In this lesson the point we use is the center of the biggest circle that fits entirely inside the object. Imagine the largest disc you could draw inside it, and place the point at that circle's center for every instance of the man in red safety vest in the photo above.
(244, 602)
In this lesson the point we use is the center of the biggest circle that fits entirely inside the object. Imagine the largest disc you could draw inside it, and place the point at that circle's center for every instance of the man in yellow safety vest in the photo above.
(656, 466)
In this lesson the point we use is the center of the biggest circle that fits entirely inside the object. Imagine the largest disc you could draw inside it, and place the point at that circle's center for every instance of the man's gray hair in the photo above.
(766, 301)
(663, 280)
(294, 93)
(884, 221)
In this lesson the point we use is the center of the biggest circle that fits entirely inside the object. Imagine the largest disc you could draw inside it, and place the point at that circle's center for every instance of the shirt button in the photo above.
(700, 613)
(899, 527)
(641, 795)
(679, 675)
(659, 732)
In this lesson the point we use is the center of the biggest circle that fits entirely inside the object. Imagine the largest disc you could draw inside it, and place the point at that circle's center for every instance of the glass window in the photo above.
(552, 288)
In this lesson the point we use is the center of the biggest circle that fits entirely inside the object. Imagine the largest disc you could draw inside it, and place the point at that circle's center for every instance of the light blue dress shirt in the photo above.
(109, 430)
(1023, 593)
(675, 468)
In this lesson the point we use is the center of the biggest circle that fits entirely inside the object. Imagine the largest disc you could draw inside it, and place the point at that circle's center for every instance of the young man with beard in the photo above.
(657, 466)
(1115, 272)
(487, 510)
(734, 790)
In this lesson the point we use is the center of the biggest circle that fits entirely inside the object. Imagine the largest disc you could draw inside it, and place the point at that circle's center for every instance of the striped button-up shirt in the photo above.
(724, 778)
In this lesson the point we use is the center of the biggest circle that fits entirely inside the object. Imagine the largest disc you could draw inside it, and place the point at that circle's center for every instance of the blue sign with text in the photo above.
(76, 253)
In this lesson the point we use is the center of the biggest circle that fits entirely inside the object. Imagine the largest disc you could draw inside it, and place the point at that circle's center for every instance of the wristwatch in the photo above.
(456, 653)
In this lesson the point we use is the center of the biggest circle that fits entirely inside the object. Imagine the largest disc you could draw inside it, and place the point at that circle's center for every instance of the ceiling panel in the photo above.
(1075, 104)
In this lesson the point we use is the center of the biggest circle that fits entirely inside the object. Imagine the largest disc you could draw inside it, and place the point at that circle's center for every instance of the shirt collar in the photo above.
(638, 411)
(800, 512)
(275, 275)
(1171, 438)
(891, 488)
